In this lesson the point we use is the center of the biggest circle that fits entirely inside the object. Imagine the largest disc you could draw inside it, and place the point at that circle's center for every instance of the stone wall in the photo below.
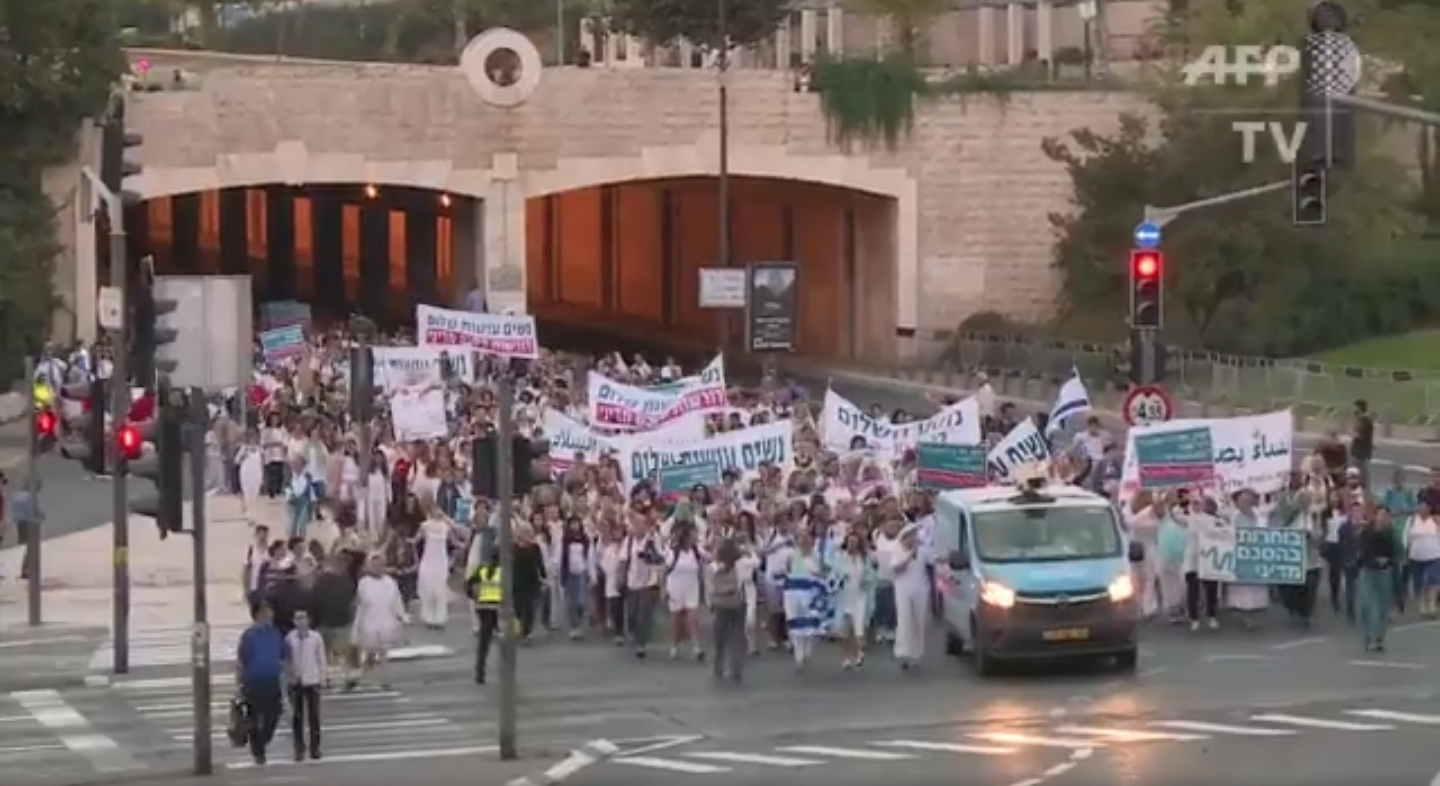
(972, 185)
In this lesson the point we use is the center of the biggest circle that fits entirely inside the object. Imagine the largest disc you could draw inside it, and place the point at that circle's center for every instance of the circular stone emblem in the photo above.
(503, 66)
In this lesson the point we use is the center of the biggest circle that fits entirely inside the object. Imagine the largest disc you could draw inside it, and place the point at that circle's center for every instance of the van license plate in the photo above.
(1067, 634)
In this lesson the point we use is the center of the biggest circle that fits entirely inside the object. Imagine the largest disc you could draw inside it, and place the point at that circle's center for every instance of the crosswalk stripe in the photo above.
(1127, 735)
(1320, 723)
(753, 758)
(846, 753)
(1403, 717)
(674, 765)
(945, 747)
(1221, 728)
(395, 755)
(349, 729)
(1015, 738)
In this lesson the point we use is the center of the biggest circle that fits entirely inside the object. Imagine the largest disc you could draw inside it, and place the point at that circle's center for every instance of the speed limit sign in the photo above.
(1147, 404)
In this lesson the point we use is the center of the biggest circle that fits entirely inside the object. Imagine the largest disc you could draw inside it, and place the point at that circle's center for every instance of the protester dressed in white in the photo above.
(377, 494)
(432, 586)
(1144, 524)
(379, 619)
(912, 595)
(1250, 599)
(252, 475)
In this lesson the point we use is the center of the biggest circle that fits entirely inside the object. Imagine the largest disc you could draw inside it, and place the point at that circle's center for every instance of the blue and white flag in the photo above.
(1073, 400)
(810, 603)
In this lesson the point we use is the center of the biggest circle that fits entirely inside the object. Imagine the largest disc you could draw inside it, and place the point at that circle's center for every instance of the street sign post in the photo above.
(1146, 405)
(111, 307)
(1147, 235)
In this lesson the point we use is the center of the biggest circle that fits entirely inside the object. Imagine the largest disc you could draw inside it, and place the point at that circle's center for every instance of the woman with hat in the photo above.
(912, 593)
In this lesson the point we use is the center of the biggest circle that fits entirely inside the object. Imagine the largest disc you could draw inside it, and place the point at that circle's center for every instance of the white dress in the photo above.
(682, 584)
(379, 613)
(855, 596)
(432, 581)
(377, 500)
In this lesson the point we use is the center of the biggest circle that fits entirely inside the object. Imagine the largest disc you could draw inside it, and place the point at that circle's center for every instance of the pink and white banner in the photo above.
(506, 335)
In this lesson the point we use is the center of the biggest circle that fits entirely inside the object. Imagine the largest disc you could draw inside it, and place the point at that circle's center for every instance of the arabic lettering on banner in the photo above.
(1023, 445)
(627, 407)
(1251, 452)
(283, 342)
(1251, 555)
(506, 335)
(1176, 458)
(941, 465)
(419, 413)
(842, 423)
(744, 450)
(568, 437)
(398, 367)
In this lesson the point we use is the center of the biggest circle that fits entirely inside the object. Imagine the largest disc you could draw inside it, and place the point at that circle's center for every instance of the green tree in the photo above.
(59, 61)
(698, 21)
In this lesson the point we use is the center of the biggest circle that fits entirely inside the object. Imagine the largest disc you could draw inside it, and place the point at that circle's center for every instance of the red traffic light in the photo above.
(129, 441)
(1146, 264)
(45, 423)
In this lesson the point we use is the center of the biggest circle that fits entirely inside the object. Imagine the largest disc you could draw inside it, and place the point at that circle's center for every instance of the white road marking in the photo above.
(1226, 657)
(1015, 738)
(1320, 723)
(1422, 625)
(395, 755)
(1127, 735)
(754, 758)
(5, 645)
(1059, 769)
(1221, 728)
(72, 729)
(1386, 664)
(1290, 645)
(674, 765)
(945, 747)
(846, 753)
(1403, 717)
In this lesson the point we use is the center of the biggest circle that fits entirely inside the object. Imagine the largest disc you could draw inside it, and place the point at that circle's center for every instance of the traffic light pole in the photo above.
(200, 635)
(1161, 216)
(33, 534)
(119, 413)
(504, 485)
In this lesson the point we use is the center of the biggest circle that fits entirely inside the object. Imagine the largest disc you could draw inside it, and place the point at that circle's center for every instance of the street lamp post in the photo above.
(723, 66)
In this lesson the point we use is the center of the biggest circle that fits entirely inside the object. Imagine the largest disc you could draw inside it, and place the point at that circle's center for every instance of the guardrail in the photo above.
(1409, 397)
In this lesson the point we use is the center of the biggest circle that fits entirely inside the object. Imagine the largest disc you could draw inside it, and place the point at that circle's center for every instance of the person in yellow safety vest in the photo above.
(42, 395)
(488, 592)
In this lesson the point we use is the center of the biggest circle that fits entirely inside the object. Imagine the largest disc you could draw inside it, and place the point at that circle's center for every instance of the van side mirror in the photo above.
(1137, 551)
(959, 560)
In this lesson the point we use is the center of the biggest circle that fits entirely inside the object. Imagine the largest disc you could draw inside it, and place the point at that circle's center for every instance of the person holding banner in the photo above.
(1197, 519)
(1251, 600)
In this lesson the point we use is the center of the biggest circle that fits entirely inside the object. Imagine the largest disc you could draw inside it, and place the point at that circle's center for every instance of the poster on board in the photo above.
(771, 309)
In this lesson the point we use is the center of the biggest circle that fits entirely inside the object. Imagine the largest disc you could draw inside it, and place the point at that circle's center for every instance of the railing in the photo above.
(1397, 396)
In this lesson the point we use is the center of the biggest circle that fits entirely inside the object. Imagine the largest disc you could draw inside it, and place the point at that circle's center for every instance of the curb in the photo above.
(586, 755)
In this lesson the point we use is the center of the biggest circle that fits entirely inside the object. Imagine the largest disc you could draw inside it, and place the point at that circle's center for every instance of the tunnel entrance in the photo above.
(626, 258)
(343, 249)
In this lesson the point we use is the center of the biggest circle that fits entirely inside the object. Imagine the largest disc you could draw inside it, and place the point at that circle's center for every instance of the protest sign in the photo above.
(568, 437)
(628, 407)
(1250, 452)
(1023, 445)
(1182, 457)
(675, 481)
(397, 367)
(506, 335)
(941, 465)
(1251, 555)
(846, 427)
(282, 343)
(419, 413)
(284, 313)
(744, 450)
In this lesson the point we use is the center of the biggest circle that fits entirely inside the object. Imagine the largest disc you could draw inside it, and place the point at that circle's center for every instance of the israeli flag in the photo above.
(1073, 400)
(818, 594)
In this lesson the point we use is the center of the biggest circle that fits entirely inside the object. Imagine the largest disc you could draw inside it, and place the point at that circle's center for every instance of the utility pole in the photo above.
(199, 416)
(723, 175)
(119, 413)
(362, 397)
(504, 484)
(33, 533)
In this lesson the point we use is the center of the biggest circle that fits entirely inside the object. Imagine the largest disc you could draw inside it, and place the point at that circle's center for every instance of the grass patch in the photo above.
(1418, 351)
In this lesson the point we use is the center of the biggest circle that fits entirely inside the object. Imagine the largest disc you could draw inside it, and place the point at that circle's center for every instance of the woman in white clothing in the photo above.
(912, 597)
(1250, 599)
(684, 572)
(748, 566)
(857, 572)
(1422, 549)
(379, 617)
(377, 495)
(252, 474)
(432, 583)
(1144, 524)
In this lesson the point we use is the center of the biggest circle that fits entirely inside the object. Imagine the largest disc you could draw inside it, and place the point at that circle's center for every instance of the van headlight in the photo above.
(1122, 588)
(997, 595)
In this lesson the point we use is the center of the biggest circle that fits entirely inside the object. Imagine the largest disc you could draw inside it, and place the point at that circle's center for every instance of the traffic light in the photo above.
(484, 459)
(150, 333)
(522, 465)
(1147, 290)
(164, 466)
(82, 411)
(128, 440)
(46, 428)
(1310, 187)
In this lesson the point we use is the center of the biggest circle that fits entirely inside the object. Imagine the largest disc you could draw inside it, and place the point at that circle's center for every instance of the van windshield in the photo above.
(1038, 534)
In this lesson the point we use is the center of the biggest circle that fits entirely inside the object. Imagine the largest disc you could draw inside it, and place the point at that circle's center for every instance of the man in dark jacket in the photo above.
(332, 604)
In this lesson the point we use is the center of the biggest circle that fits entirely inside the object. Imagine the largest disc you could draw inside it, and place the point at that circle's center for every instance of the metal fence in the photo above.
(1397, 396)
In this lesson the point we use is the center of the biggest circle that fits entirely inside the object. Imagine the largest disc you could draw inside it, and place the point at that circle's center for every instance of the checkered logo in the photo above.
(1334, 64)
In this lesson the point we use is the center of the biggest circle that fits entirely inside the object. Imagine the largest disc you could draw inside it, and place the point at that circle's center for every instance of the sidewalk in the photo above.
(77, 572)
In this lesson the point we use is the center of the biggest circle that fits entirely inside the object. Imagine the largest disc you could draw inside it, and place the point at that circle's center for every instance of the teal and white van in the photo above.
(1034, 571)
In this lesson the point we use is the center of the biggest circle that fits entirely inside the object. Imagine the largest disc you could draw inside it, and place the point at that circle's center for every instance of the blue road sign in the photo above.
(1147, 235)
